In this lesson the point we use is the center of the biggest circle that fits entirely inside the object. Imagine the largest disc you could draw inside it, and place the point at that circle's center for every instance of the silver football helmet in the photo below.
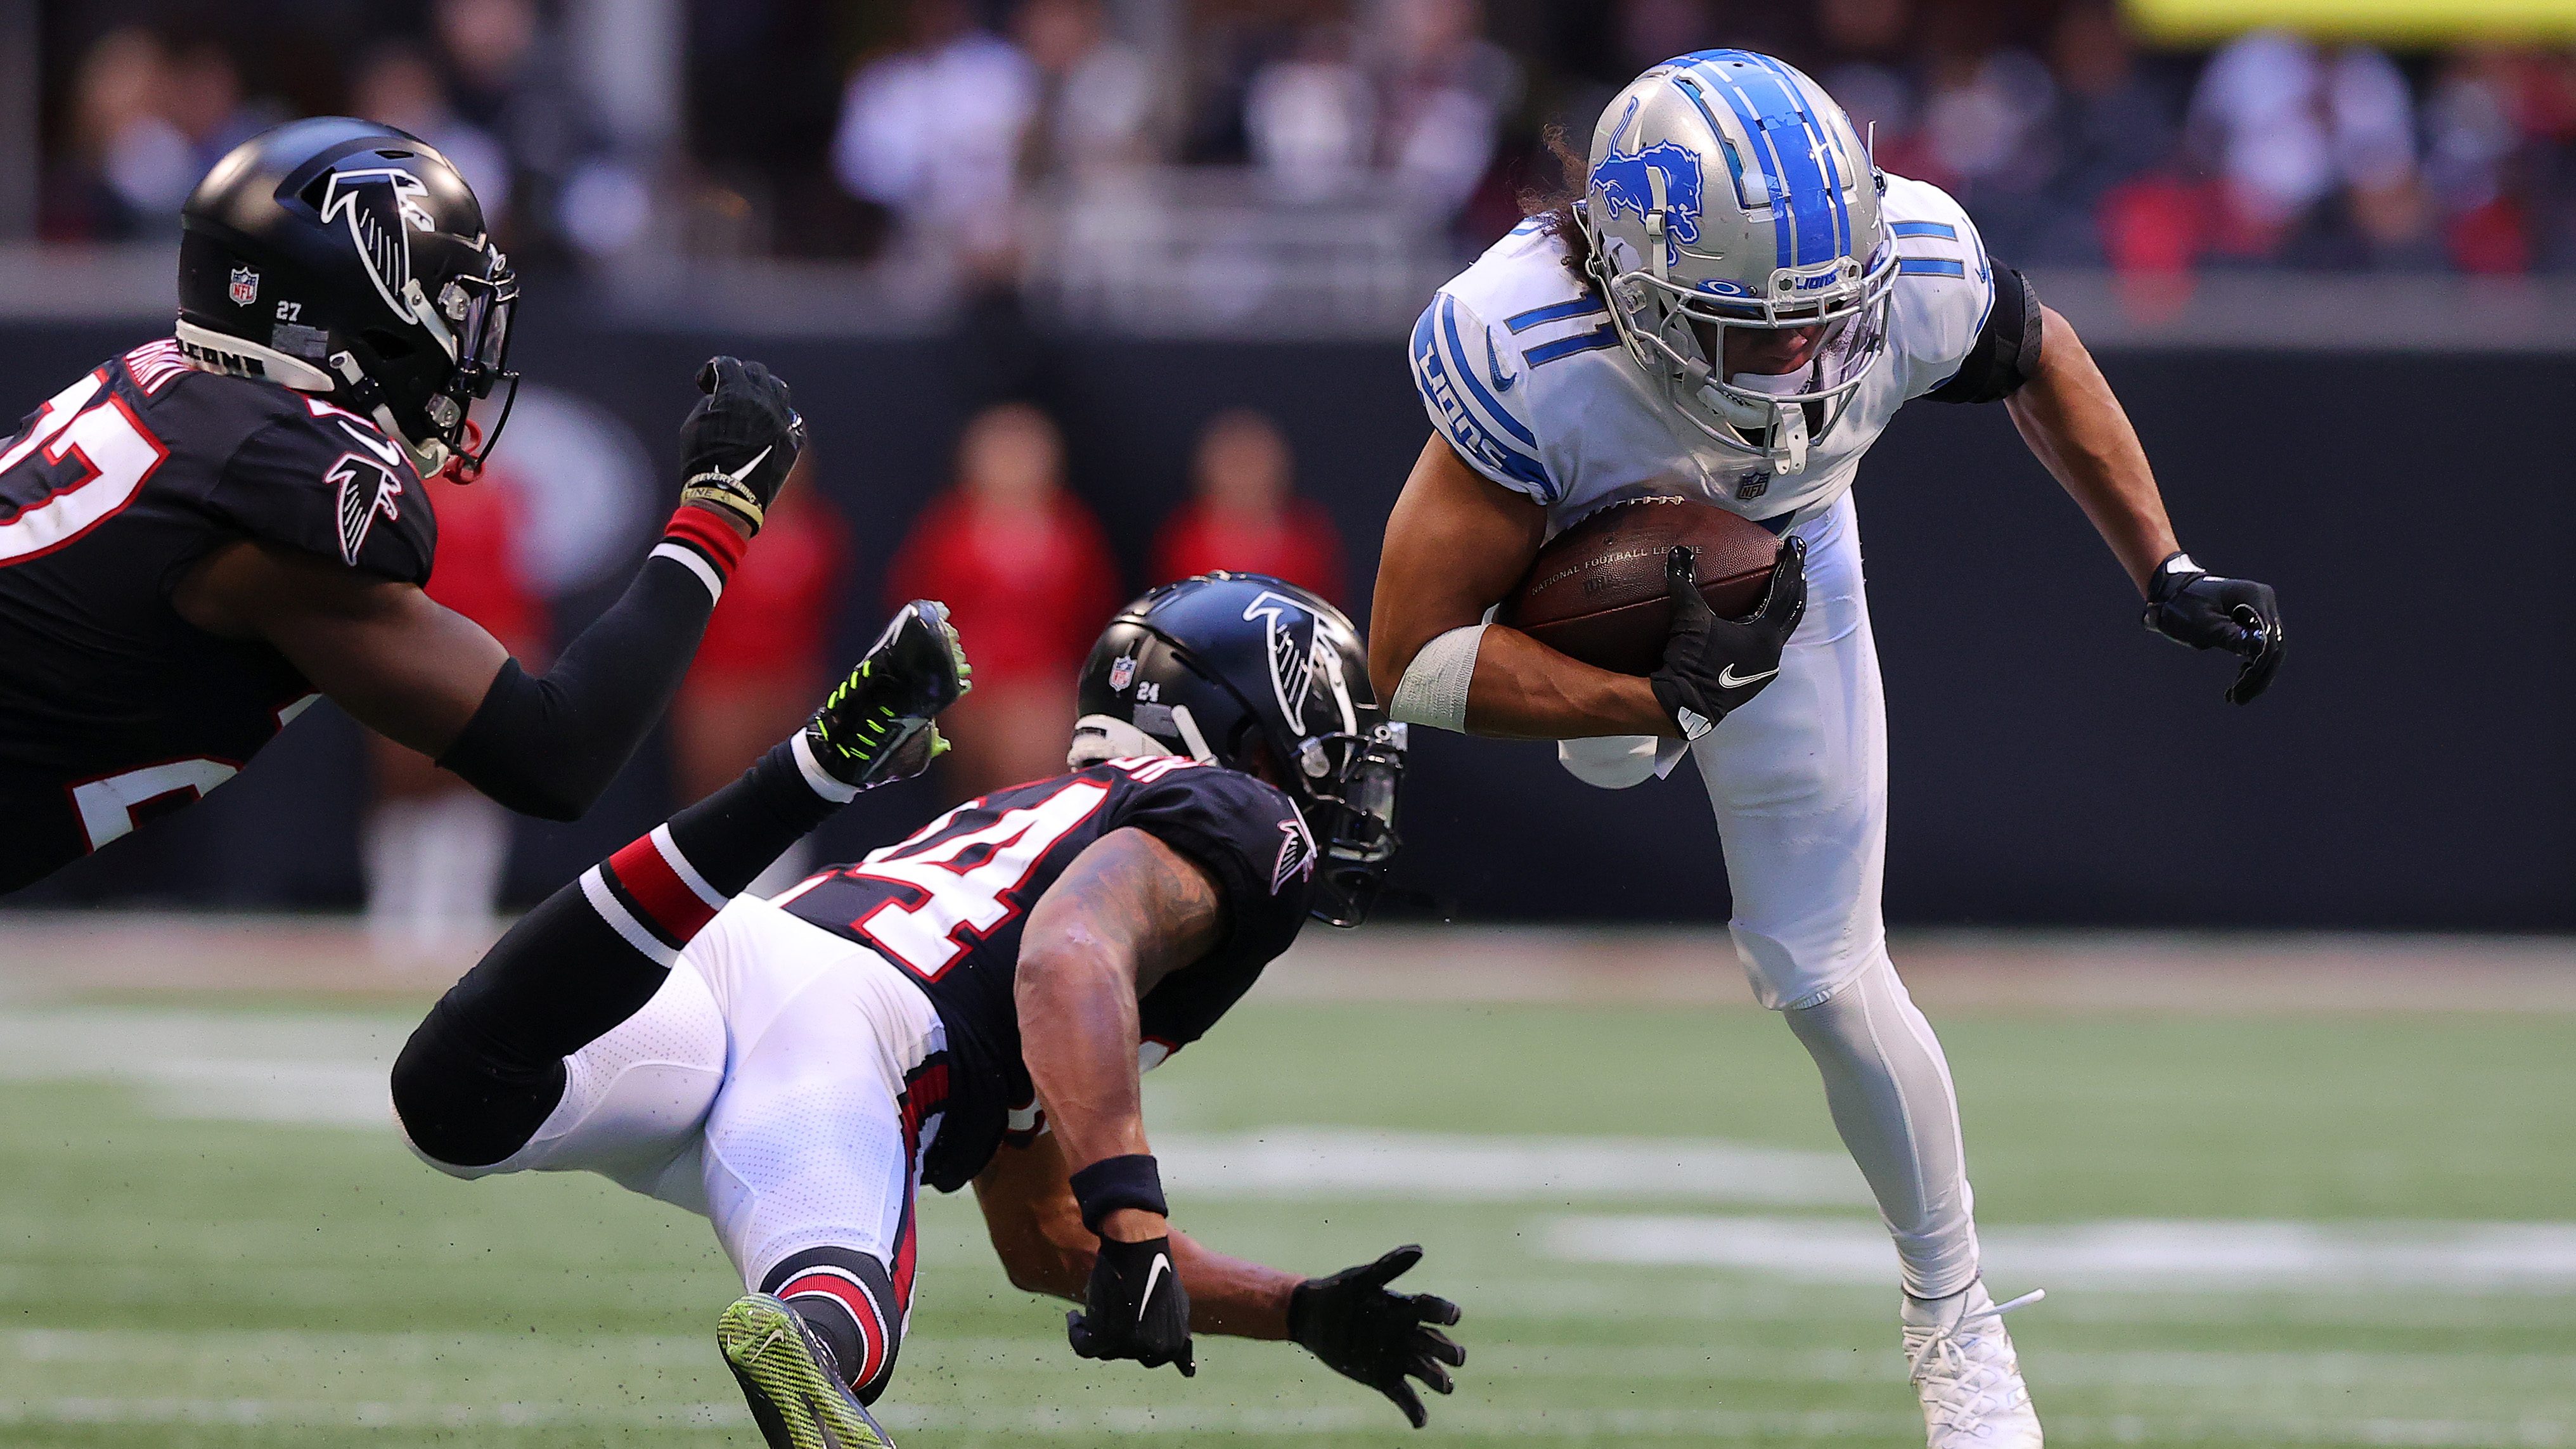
(1727, 190)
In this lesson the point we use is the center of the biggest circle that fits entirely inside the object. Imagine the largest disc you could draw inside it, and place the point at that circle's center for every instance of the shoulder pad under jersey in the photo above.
(322, 479)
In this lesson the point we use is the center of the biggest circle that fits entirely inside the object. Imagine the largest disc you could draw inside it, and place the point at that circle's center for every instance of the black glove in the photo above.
(740, 440)
(1356, 1326)
(1713, 665)
(1135, 1308)
(2190, 605)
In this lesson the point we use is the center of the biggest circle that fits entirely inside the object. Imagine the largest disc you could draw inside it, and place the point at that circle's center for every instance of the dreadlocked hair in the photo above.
(1552, 204)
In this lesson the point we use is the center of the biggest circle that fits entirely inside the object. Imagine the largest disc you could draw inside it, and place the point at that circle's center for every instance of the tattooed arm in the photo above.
(1129, 911)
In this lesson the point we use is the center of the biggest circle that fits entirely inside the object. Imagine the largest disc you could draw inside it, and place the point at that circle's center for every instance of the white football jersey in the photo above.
(1522, 372)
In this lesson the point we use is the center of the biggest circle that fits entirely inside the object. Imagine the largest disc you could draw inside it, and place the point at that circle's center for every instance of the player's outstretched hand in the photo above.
(739, 441)
(2192, 606)
(1714, 665)
(1134, 1308)
(1381, 1338)
(877, 725)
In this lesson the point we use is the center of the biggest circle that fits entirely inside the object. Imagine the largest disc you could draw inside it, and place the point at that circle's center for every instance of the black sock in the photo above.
(486, 1067)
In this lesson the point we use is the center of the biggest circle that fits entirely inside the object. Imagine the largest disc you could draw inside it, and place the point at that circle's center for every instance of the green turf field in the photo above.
(184, 1262)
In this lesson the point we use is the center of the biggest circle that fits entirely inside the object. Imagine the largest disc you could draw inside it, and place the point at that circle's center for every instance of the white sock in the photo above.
(1889, 1088)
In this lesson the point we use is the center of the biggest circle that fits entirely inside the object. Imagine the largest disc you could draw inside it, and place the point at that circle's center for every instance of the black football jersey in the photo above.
(113, 709)
(948, 905)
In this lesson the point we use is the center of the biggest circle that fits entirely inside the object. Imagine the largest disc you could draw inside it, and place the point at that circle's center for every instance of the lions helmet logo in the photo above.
(245, 286)
(383, 210)
(367, 488)
(1662, 177)
(1300, 658)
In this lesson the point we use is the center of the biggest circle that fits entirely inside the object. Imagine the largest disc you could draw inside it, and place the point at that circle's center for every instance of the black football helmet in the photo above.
(348, 259)
(1210, 665)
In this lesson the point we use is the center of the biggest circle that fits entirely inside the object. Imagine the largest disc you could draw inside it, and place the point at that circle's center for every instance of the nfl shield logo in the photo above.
(245, 287)
(1122, 672)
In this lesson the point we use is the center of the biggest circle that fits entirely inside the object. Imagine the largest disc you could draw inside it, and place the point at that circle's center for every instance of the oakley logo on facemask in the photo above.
(382, 215)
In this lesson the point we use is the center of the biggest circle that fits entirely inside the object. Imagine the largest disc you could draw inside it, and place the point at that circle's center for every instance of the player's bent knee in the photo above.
(461, 1106)
(1793, 975)
(848, 1298)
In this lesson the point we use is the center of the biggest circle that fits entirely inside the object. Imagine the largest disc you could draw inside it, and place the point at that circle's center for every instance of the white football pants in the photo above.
(768, 1087)
(1798, 779)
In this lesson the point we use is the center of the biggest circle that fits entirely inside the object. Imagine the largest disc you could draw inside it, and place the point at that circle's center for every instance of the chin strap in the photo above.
(428, 458)
(1788, 445)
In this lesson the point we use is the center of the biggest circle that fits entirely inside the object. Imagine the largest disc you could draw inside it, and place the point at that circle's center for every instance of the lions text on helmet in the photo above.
(383, 291)
(1257, 674)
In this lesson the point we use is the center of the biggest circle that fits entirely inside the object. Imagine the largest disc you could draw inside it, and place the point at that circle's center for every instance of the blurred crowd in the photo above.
(155, 94)
(827, 128)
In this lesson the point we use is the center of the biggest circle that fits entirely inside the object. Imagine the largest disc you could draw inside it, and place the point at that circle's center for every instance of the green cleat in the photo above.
(787, 1375)
(877, 725)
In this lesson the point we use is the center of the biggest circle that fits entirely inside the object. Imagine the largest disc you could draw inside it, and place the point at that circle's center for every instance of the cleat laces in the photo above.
(1968, 1377)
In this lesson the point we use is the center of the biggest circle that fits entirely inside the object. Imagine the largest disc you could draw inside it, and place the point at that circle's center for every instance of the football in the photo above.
(1596, 591)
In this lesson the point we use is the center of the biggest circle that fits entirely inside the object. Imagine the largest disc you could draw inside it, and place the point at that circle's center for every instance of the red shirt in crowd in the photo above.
(1299, 544)
(776, 616)
(476, 573)
(1028, 593)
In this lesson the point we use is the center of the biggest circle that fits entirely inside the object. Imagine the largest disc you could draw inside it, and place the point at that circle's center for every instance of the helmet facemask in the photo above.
(479, 310)
(1349, 786)
(1678, 336)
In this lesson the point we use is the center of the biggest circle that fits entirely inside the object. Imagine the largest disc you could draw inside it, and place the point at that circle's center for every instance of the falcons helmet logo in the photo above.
(383, 211)
(367, 488)
(1300, 659)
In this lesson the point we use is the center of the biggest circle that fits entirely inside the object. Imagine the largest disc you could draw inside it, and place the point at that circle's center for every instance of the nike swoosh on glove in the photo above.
(1134, 1308)
(740, 441)
(1714, 665)
(1364, 1331)
(2192, 606)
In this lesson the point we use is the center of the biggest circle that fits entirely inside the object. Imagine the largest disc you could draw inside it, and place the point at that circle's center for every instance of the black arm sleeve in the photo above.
(548, 747)
(2006, 354)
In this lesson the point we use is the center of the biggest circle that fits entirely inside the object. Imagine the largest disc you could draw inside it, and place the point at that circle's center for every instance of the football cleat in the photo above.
(877, 726)
(788, 1377)
(1965, 1371)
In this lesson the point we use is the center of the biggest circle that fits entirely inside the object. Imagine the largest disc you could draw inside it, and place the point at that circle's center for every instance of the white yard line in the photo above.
(1345, 1163)
(2214, 1257)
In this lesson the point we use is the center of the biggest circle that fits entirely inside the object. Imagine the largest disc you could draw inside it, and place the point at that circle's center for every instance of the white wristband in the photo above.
(1433, 691)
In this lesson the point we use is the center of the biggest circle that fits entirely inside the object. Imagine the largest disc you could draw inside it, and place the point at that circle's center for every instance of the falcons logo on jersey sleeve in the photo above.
(367, 489)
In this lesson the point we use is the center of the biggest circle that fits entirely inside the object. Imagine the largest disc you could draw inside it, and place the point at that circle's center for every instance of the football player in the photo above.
(970, 1005)
(200, 537)
(1732, 310)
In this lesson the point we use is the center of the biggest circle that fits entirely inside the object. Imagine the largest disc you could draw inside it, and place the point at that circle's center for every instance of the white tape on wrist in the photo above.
(1433, 691)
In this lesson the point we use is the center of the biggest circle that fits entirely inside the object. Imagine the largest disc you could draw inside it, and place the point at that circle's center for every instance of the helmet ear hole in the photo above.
(391, 346)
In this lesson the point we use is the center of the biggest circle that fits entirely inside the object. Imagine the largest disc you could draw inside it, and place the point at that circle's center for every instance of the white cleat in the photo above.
(1962, 1363)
